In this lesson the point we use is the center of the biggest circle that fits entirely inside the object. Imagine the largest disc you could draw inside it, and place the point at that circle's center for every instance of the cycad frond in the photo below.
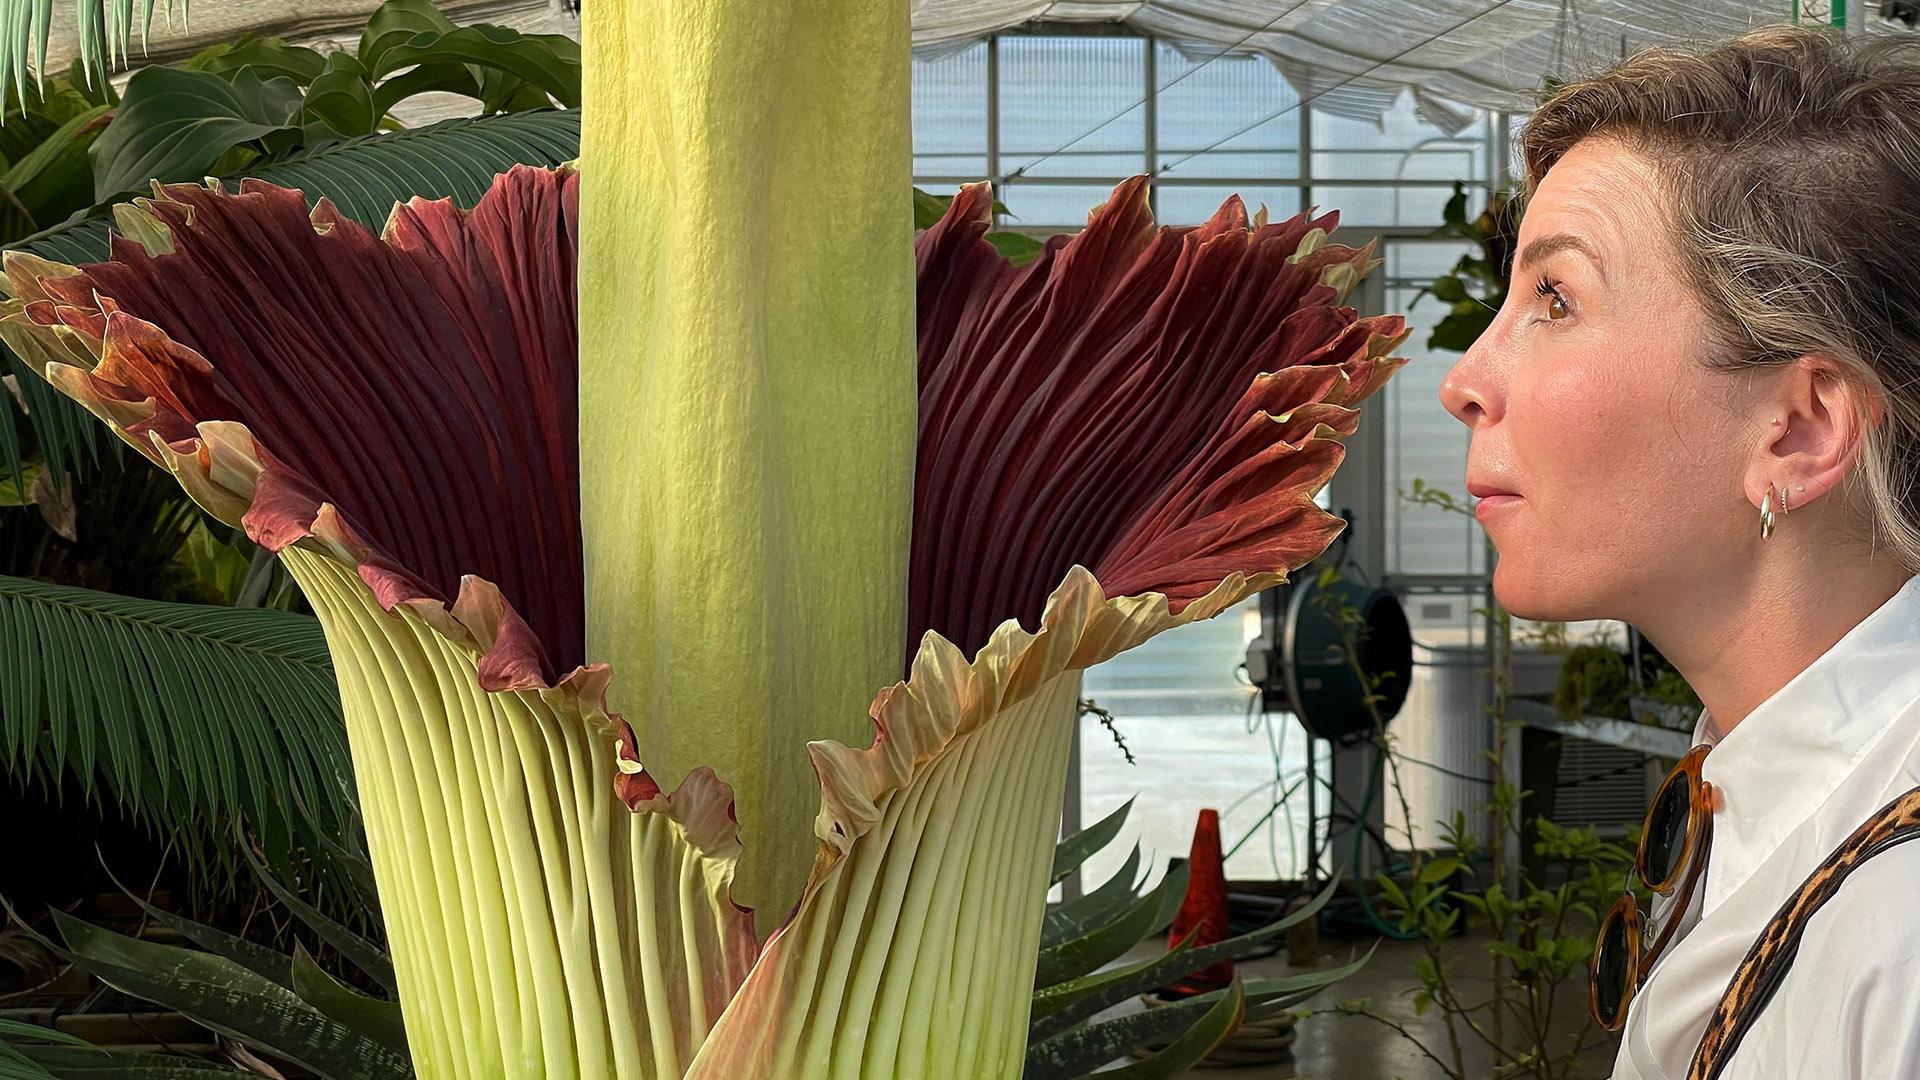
(188, 717)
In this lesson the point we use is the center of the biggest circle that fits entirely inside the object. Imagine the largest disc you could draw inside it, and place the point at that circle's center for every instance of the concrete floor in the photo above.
(1333, 1047)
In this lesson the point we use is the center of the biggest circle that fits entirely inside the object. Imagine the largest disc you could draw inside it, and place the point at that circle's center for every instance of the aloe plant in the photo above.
(773, 453)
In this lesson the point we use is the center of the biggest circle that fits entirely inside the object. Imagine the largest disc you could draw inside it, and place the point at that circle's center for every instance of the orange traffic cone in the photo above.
(1203, 912)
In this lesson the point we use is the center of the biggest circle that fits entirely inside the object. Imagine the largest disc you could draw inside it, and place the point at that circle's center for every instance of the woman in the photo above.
(1698, 411)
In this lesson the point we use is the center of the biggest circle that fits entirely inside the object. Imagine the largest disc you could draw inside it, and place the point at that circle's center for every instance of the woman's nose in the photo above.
(1468, 391)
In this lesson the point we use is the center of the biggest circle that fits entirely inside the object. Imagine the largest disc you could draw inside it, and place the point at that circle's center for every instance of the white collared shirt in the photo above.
(1799, 774)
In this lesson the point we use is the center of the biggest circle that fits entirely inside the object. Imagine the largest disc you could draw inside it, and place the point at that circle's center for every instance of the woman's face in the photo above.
(1587, 399)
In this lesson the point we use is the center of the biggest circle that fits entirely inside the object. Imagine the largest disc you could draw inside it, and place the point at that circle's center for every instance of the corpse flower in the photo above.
(708, 564)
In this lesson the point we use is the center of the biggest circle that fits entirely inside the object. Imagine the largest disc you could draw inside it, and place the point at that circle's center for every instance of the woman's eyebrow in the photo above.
(1557, 242)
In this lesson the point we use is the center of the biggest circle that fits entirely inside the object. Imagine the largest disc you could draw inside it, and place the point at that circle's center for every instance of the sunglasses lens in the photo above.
(1610, 968)
(1666, 833)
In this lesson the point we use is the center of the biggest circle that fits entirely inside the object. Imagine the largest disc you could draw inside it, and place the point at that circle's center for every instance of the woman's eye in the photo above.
(1556, 304)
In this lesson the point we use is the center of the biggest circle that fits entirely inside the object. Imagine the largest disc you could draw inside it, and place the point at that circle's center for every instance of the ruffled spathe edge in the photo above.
(225, 470)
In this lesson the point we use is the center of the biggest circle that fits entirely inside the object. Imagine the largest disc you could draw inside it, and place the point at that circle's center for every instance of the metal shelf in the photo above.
(1645, 738)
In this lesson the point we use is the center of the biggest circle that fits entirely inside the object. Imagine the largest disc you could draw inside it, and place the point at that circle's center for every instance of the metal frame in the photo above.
(1150, 153)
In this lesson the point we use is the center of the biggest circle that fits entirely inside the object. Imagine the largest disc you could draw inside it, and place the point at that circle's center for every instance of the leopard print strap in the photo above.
(1755, 980)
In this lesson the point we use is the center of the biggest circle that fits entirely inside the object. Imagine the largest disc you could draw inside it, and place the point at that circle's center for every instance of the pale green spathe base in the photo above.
(916, 958)
(538, 927)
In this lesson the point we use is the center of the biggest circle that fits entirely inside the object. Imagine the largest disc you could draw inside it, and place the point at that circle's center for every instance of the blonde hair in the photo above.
(1791, 157)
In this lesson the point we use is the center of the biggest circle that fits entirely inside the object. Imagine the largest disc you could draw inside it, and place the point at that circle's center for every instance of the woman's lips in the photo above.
(1493, 504)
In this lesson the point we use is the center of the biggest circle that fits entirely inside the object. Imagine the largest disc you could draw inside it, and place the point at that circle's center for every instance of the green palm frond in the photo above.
(364, 177)
(187, 717)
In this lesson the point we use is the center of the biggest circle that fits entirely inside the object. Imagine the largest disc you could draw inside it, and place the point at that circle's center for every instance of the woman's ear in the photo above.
(1813, 427)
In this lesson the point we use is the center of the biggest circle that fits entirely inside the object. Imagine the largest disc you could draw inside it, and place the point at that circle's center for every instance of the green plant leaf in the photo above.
(1058, 1008)
(1019, 248)
(253, 956)
(1074, 917)
(1077, 848)
(1200, 1021)
(537, 61)
(362, 953)
(239, 705)
(53, 178)
(221, 995)
(1075, 957)
(267, 57)
(341, 99)
(376, 1019)
(396, 23)
(174, 123)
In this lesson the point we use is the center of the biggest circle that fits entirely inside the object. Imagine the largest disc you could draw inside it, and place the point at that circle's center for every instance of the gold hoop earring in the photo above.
(1783, 501)
(1766, 514)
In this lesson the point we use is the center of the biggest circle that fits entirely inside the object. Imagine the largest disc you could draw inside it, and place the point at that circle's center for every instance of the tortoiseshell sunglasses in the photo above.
(1673, 847)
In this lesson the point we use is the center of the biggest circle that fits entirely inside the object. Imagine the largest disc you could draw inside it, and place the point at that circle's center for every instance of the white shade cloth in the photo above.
(1357, 56)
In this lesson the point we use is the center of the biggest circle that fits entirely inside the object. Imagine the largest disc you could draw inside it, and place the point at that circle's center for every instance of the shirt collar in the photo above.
(1788, 756)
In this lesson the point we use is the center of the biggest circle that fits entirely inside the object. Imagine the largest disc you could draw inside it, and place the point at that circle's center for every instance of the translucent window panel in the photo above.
(1439, 160)
(1423, 260)
(1073, 106)
(1402, 205)
(1349, 148)
(1185, 713)
(1425, 442)
(1052, 206)
(1240, 103)
(1181, 204)
(950, 114)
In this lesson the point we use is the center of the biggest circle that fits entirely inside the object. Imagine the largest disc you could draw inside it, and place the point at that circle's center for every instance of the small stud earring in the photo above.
(1799, 487)
(1776, 421)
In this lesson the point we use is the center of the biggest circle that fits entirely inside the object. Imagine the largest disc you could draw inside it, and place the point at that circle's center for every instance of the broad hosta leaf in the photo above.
(194, 717)
(174, 123)
(340, 99)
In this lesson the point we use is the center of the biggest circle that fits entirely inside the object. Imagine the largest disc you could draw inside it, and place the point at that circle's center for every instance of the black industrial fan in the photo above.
(1300, 663)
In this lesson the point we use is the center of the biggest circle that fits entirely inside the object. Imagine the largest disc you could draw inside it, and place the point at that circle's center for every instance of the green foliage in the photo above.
(192, 716)
(289, 1007)
(256, 97)
(1593, 681)
(1082, 934)
(1477, 285)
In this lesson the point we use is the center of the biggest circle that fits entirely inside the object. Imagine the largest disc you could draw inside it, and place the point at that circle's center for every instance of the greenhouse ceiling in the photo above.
(1352, 56)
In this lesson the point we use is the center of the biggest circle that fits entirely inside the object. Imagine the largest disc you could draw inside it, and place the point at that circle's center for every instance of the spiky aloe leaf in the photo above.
(1074, 917)
(1070, 853)
(1059, 1007)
